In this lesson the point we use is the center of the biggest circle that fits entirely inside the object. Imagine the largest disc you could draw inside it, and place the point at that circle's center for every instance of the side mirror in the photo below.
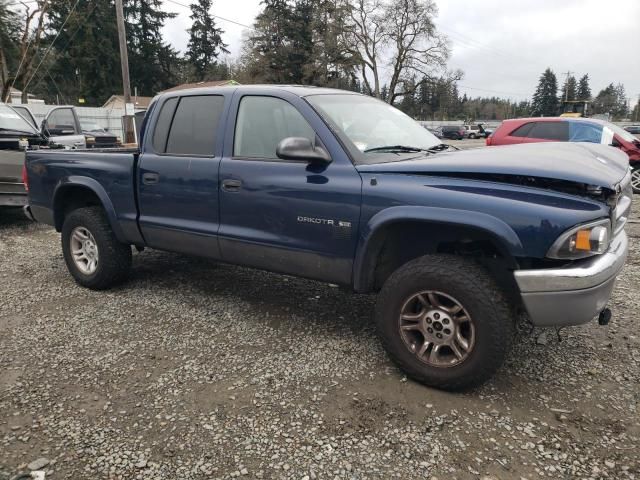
(299, 148)
(44, 128)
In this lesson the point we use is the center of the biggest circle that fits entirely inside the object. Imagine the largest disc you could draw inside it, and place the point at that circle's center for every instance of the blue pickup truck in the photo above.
(345, 189)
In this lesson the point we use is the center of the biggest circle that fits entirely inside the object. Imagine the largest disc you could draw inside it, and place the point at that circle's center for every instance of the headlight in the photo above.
(582, 241)
(90, 139)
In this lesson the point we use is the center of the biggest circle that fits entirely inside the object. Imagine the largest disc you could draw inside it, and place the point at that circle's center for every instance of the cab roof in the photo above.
(299, 90)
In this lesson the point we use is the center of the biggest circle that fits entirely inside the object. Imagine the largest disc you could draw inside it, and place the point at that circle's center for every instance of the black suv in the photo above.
(453, 132)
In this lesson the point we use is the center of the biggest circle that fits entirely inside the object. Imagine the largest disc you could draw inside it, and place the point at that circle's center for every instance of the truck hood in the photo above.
(580, 163)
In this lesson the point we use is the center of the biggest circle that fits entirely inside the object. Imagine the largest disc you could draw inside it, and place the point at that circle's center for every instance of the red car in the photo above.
(561, 129)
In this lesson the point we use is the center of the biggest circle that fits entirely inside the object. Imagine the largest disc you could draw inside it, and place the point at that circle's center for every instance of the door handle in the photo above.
(150, 178)
(231, 185)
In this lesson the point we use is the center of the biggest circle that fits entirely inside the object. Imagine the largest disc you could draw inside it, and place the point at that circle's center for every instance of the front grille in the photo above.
(623, 205)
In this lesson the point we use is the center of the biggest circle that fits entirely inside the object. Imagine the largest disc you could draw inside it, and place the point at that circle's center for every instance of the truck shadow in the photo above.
(13, 217)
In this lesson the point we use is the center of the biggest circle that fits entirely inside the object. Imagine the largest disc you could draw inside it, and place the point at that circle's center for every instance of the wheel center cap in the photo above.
(438, 326)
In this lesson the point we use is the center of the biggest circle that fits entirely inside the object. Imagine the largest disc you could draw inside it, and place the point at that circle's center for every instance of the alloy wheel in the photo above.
(84, 250)
(437, 329)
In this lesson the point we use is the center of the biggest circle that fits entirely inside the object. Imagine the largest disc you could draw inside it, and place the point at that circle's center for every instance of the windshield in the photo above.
(368, 125)
(11, 120)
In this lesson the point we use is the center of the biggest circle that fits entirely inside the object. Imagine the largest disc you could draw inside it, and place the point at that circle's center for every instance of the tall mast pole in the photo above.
(129, 133)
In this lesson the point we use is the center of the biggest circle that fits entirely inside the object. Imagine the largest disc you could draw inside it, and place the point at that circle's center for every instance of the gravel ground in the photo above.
(197, 370)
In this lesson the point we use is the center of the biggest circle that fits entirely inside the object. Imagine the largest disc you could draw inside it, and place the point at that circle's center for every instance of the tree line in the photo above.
(390, 49)
(65, 50)
(338, 43)
(549, 100)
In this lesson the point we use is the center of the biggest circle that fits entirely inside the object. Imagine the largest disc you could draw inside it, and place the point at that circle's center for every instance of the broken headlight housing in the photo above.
(582, 241)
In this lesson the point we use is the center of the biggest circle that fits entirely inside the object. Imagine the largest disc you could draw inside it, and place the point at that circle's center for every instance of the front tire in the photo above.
(472, 136)
(445, 322)
(94, 256)
(635, 178)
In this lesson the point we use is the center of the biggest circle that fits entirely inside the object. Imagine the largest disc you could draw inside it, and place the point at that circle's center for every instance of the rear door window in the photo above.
(195, 126)
(163, 124)
(523, 130)
(585, 132)
(555, 131)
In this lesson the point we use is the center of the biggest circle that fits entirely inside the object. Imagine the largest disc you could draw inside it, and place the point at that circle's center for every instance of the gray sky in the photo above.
(502, 45)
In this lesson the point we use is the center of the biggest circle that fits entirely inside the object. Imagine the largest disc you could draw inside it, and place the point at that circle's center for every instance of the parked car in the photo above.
(60, 126)
(562, 129)
(633, 129)
(474, 131)
(16, 135)
(452, 132)
(97, 137)
(343, 188)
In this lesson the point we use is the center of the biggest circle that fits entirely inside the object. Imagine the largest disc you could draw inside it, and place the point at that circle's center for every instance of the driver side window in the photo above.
(263, 122)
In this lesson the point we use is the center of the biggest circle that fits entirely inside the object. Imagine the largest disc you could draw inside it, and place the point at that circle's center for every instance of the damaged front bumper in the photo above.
(575, 294)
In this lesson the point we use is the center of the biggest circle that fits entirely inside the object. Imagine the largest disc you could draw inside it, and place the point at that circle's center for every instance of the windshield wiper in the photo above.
(441, 147)
(397, 148)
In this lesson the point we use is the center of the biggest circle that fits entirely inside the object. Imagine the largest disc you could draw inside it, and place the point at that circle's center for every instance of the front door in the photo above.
(178, 175)
(286, 216)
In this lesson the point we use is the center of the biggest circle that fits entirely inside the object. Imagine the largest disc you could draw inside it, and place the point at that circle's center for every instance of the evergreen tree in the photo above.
(85, 61)
(330, 63)
(622, 107)
(153, 63)
(584, 90)
(545, 100)
(299, 41)
(408, 103)
(612, 100)
(570, 89)
(205, 41)
(267, 52)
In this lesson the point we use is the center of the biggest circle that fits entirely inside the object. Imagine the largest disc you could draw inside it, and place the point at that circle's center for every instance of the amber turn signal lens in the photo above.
(583, 240)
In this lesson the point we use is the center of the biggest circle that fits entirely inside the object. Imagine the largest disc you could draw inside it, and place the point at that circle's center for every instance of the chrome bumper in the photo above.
(576, 294)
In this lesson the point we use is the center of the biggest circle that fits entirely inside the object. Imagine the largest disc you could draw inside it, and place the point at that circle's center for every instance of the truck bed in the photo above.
(110, 173)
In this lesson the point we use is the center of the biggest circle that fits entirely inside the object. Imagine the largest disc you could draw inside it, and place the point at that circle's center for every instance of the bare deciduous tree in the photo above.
(29, 45)
(398, 35)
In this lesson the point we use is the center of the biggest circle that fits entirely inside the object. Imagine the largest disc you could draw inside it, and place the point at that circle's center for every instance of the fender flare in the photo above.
(363, 268)
(93, 185)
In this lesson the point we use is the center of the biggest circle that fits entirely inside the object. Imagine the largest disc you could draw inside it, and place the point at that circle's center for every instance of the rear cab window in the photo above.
(189, 125)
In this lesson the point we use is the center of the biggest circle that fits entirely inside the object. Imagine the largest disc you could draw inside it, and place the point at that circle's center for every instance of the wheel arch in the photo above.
(441, 228)
(78, 192)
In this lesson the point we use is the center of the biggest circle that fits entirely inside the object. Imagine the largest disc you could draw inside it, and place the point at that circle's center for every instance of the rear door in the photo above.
(285, 215)
(178, 174)
(549, 131)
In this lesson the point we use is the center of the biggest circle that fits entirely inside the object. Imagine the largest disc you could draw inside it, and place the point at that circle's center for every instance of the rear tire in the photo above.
(94, 256)
(472, 136)
(445, 289)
